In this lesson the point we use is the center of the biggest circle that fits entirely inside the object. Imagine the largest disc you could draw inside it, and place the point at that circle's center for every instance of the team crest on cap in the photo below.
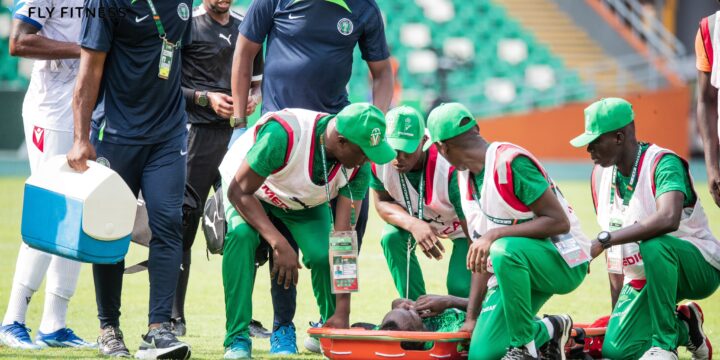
(375, 137)
(183, 11)
(345, 26)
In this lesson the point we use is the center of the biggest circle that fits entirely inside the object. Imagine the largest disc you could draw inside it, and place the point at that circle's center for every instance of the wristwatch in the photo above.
(237, 120)
(202, 99)
(604, 239)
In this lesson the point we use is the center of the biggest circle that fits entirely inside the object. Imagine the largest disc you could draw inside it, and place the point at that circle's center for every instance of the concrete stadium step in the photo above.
(552, 27)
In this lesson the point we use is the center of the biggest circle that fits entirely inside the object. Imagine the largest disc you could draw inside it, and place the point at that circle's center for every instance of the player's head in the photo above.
(453, 129)
(401, 319)
(609, 128)
(218, 6)
(406, 135)
(360, 136)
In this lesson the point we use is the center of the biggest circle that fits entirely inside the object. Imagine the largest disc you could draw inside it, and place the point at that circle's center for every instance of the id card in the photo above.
(614, 259)
(570, 250)
(166, 59)
(343, 262)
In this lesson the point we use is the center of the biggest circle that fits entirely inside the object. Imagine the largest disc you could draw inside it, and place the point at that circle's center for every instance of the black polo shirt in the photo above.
(207, 62)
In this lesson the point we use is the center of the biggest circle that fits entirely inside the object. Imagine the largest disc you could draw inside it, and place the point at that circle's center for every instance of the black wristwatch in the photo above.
(604, 239)
(202, 99)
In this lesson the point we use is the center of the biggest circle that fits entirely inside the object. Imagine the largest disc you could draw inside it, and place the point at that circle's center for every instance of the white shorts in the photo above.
(45, 143)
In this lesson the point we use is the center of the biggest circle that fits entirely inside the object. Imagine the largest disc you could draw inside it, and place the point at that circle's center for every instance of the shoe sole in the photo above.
(178, 352)
(697, 310)
(18, 346)
(567, 326)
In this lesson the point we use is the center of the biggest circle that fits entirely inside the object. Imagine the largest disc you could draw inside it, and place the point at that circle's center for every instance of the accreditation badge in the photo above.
(570, 250)
(166, 58)
(614, 255)
(344, 262)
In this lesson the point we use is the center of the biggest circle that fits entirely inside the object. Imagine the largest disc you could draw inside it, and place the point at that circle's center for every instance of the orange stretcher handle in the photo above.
(383, 335)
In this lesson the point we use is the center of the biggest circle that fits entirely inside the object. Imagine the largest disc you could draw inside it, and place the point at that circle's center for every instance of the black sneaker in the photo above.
(161, 343)
(110, 343)
(698, 343)
(257, 330)
(178, 327)
(555, 348)
(520, 353)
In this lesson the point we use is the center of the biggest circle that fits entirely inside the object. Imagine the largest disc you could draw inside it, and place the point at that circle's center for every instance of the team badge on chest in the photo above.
(345, 26)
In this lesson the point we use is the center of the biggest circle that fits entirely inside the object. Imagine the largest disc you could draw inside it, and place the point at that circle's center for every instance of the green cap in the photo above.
(405, 127)
(444, 122)
(364, 125)
(604, 116)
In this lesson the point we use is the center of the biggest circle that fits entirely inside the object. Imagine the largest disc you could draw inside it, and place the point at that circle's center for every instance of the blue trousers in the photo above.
(158, 170)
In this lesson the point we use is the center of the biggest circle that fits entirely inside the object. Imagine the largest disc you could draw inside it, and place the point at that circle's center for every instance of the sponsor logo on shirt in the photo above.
(345, 26)
(274, 198)
(140, 19)
(291, 17)
(38, 138)
(632, 260)
(226, 38)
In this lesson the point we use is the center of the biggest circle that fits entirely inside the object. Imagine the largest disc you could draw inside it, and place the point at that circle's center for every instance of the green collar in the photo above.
(340, 3)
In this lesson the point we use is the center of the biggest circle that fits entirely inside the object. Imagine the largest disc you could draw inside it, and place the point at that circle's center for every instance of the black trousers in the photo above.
(207, 145)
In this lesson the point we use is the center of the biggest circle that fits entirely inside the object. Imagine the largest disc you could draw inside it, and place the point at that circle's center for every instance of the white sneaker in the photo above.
(698, 343)
(313, 345)
(656, 353)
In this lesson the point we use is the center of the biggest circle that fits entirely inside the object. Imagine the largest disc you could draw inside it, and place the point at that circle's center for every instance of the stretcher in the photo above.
(361, 344)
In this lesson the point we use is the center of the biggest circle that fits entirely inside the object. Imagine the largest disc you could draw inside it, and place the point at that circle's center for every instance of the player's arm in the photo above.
(707, 121)
(25, 42)
(343, 212)
(382, 83)
(85, 96)
(616, 284)
(422, 232)
(478, 289)
(549, 220)
(433, 305)
(241, 193)
(242, 67)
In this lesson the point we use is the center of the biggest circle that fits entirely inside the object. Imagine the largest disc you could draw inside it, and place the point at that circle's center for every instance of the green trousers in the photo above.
(675, 270)
(394, 244)
(529, 272)
(311, 230)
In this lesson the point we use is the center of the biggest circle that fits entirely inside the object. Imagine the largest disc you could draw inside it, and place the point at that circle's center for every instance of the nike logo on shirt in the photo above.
(291, 17)
(137, 19)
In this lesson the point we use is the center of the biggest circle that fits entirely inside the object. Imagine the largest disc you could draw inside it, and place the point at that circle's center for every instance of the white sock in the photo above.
(30, 270)
(550, 328)
(531, 348)
(54, 313)
(62, 276)
(17, 305)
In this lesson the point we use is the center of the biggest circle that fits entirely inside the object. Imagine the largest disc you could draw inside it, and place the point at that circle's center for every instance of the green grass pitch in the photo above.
(205, 306)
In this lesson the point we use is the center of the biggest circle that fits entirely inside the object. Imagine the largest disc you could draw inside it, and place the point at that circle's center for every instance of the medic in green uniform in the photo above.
(289, 165)
(658, 244)
(523, 231)
(425, 178)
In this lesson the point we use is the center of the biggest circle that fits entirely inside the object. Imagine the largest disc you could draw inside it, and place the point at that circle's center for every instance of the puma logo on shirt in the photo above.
(226, 38)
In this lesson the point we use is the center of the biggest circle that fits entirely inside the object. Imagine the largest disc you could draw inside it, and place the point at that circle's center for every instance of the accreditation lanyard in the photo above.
(327, 184)
(630, 189)
(408, 205)
(167, 51)
(499, 221)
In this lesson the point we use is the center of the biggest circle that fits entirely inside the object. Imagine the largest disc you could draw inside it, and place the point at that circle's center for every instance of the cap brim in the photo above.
(404, 145)
(380, 154)
(583, 140)
(427, 145)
